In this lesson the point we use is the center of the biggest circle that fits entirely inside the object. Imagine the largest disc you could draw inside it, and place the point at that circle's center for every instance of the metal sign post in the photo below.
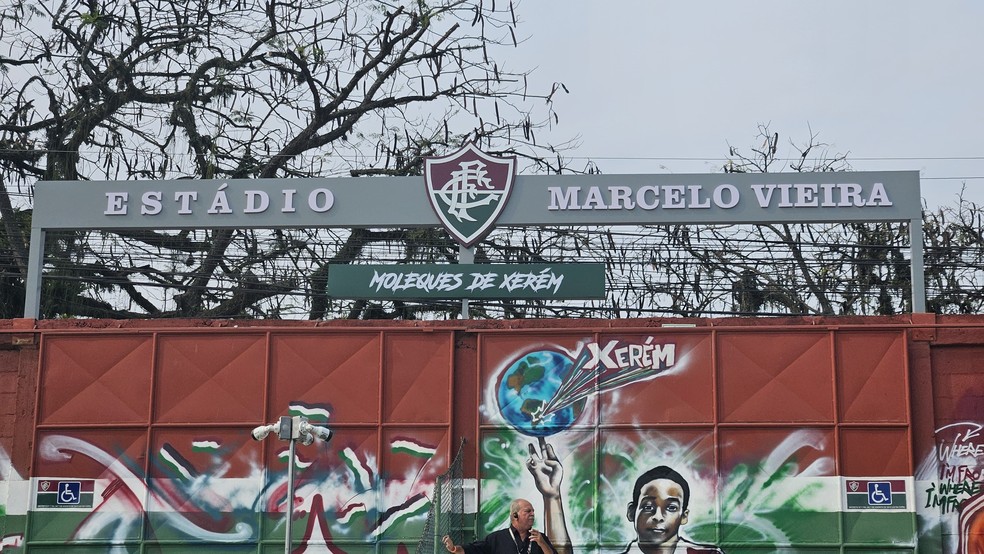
(466, 255)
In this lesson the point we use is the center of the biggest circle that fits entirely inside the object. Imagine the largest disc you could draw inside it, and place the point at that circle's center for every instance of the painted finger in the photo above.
(548, 450)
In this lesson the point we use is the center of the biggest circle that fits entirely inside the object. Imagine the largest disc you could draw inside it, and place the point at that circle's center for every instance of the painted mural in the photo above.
(635, 441)
(952, 488)
(193, 479)
(590, 429)
(203, 489)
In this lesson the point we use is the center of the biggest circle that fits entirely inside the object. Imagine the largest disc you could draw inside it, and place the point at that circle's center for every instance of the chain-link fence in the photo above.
(447, 508)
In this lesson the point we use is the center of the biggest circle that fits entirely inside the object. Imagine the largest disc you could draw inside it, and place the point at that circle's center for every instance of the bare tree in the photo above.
(955, 258)
(112, 89)
(263, 88)
(780, 268)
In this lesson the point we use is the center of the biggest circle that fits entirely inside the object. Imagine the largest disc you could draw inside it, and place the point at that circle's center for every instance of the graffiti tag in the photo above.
(620, 355)
(960, 457)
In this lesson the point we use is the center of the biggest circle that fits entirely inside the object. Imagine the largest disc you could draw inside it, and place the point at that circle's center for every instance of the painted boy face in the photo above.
(659, 513)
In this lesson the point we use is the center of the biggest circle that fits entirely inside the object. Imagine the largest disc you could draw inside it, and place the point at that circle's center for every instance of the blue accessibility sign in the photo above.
(70, 494)
(879, 493)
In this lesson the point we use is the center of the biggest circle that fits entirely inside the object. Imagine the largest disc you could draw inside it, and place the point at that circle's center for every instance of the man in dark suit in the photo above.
(519, 538)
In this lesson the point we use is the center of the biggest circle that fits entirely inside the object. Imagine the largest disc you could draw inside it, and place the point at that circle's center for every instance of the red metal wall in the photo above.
(886, 394)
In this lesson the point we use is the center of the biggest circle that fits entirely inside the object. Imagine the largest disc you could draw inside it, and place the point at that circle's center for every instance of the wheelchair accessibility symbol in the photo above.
(65, 494)
(69, 493)
(879, 493)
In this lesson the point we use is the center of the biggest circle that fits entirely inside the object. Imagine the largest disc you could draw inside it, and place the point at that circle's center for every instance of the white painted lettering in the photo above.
(850, 195)
(828, 195)
(595, 200)
(481, 281)
(543, 280)
(621, 198)
(806, 195)
(784, 201)
(664, 355)
(879, 196)
(257, 201)
(289, 201)
(733, 196)
(116, 203)
(563, 198)
(673, 197)
(601, 356)
(151, 202)
(413, 280)
(185, 198)
(321, 200)
(695, 197)
(763, 193)
(220, 203)
(643, 196)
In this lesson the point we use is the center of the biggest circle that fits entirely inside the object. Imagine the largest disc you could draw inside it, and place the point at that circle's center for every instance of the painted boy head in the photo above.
(660, 501)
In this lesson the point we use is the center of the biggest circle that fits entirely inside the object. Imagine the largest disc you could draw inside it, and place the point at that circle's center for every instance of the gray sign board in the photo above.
(536, 200)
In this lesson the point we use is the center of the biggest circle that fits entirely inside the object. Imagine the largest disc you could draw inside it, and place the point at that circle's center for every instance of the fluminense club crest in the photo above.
(468, 190)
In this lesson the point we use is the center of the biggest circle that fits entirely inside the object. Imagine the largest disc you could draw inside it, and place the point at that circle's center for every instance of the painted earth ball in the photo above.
(526, 388)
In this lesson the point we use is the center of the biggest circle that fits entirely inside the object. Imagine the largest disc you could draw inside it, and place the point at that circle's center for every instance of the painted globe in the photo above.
(527, 387)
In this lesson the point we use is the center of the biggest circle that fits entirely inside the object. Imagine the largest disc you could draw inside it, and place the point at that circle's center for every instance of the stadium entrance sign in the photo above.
(469, 193)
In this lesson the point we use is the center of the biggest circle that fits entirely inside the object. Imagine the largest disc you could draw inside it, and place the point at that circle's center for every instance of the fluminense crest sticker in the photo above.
(468, 190)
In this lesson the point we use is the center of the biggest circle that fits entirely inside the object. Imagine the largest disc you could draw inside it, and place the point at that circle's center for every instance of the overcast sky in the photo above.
(894, 84)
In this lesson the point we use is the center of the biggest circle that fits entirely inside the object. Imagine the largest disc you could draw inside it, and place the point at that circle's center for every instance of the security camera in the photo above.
(310, 432)
(323, 433)
(260, 432)
(263, 431)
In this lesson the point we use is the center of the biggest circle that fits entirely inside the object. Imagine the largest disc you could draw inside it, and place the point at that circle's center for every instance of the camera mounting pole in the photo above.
(291, 429)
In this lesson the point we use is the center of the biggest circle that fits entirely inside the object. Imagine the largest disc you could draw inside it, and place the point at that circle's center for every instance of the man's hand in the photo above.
(539, 539)
(548, 473)
(450, 546)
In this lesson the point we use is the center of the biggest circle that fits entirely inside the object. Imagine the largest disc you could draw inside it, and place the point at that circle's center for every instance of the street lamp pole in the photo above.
(292, 429)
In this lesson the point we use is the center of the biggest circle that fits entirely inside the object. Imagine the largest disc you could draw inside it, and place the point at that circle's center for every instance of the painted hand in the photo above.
(547, 471)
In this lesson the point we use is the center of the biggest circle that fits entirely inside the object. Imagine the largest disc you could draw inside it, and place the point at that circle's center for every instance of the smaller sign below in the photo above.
(468, 281)
(875, 493)
(64, 493)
